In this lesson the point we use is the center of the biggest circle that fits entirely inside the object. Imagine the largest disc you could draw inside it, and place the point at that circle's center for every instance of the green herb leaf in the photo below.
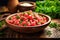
(28, 13)
(48, 33)
(2, 23)
(25, 25)
(10, 18)
(17, 17)
(38, 23)
(53, 25)
(21, 21)
(49, 7)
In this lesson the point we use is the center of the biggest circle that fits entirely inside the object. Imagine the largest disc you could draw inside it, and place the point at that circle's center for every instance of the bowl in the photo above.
(26, 8)
(29, 29)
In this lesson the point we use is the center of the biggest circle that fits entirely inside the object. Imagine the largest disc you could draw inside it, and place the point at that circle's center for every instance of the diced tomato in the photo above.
(27, 19)
(42, 22)
(28, 23)
(40, 19)
(33, 23)
(24, 18)
(30, 17)
(36, 21)
(10, 21)
(21, 14)
(14, 17)
(16, 22)
(44, 18)
(21, 17)
(19, 25)
(26, 15)
(18, 19)
(24, 22)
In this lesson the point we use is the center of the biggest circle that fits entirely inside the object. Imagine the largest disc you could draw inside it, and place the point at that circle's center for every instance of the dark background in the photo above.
(4, 2)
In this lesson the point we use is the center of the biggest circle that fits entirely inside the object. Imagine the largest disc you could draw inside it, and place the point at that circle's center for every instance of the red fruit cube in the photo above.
(13, 17)
(33, 23)
(28, 23)
(24, 22)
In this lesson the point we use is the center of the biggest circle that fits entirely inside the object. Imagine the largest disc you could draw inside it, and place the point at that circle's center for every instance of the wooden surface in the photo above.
(12, 34)
(8, 33)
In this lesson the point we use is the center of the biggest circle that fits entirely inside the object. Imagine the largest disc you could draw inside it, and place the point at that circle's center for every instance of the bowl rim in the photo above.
(49, 20)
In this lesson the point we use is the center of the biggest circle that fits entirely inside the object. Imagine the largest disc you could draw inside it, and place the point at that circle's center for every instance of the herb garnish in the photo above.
(21, 21)
(2, 23)
(49, 7)
(48, 33)
(54, 25)
(10, 18)
(17, 17)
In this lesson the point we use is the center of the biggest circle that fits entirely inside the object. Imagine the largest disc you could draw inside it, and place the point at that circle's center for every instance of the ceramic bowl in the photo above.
(30, 29)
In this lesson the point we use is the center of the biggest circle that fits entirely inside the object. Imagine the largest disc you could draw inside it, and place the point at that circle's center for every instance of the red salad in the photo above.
(27, 18)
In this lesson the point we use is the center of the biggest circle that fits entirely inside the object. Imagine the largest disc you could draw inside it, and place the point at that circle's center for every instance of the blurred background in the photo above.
(4, 2)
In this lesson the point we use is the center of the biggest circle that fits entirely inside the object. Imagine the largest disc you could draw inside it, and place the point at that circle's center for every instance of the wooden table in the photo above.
(12, 34)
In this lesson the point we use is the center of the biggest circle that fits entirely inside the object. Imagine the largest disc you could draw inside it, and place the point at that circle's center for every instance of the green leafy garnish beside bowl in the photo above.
(54, 25)
(2, 26)
(2, 23)
(48, 33)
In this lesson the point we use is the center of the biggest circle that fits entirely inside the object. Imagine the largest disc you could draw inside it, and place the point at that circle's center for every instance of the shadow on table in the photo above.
(12, 34)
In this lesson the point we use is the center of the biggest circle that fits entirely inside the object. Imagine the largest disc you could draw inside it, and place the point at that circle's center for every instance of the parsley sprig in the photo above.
(54, 25)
